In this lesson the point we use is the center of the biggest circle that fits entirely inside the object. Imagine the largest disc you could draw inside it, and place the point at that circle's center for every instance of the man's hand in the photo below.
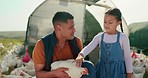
(60, 72)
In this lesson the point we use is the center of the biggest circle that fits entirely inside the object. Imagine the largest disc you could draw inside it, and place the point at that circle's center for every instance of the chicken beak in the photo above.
(85, 72)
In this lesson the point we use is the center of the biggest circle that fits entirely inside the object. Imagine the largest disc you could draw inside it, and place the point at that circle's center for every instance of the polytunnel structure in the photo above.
(138, 35)
(88, 17)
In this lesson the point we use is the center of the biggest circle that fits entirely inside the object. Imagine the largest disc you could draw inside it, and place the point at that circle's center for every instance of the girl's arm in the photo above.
(87, 49)
(127, 55)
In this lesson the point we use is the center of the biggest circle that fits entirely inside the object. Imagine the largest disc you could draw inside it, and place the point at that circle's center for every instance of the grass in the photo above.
(146, 75)
(8, 44)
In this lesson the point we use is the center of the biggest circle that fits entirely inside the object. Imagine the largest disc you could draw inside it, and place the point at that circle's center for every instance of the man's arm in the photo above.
(39, 63)
(58, 73)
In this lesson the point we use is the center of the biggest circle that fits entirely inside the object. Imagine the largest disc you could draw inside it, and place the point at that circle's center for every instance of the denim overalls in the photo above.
(111, 63)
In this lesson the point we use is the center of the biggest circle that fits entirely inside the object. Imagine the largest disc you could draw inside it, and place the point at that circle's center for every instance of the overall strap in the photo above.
(118, 36)
(102, 37)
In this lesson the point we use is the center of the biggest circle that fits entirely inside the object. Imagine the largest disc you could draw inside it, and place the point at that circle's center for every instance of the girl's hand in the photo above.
(79, 60)
(129, 75)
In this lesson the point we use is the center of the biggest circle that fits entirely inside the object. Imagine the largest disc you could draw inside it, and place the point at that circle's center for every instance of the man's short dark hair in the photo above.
(62, 17)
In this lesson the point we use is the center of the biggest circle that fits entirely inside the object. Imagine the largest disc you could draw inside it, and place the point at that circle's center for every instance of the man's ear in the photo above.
(58, 27)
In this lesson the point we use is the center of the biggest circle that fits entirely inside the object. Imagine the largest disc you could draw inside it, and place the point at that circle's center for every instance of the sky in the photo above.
(14, 14)
(133, 10)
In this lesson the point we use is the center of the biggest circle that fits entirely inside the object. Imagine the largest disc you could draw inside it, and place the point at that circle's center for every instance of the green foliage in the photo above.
(30, 49)
(145, 51)
(146, 75)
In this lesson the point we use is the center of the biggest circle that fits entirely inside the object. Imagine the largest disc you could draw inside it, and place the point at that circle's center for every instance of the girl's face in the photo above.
(110, 24)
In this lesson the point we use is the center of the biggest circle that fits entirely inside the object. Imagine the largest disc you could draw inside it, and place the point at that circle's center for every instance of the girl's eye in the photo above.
(110, 22)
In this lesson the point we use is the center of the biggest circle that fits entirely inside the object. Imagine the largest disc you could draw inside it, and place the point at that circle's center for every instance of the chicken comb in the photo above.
(86, 71)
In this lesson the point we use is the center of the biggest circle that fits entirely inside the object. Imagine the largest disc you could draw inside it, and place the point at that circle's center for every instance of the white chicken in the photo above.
(74, 71)
(139, 65)
(30, 68)
(10, 76)
(1, 45)
(0, 71)
(146, 65)
(20, 72)
(19, 62)
(29, 65)
(4, 67)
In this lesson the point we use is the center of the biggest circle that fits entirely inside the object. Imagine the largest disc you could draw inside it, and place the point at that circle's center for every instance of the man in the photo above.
(59, 45)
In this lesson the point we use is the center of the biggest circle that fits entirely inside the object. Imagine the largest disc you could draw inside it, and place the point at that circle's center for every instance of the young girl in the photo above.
(115, 60)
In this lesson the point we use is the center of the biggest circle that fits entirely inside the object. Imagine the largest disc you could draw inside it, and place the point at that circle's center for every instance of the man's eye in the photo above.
(110, 22)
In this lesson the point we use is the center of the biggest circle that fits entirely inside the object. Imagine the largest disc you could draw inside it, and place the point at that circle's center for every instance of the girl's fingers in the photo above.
(79, 62)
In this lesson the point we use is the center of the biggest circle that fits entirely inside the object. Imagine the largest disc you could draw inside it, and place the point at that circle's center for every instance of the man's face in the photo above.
(68, 29)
